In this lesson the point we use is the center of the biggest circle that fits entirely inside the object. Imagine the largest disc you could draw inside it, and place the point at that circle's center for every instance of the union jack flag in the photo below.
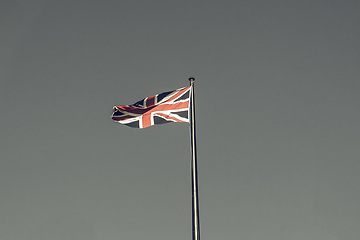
(172, 106)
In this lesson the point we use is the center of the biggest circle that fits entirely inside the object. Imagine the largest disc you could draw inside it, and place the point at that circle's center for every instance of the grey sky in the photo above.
(277, 94)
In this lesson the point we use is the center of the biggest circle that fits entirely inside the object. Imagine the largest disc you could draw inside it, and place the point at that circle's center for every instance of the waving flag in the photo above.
(172, 106)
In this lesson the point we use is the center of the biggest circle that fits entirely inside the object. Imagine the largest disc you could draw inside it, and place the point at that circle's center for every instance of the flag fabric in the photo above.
(172, 106)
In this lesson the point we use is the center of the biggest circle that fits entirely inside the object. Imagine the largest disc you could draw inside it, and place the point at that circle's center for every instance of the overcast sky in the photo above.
(277, 93)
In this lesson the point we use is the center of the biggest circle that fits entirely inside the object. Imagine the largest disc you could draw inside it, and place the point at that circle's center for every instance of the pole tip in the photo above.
(191, 79)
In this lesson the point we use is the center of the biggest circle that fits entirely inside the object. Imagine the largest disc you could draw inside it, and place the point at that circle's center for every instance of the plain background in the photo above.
(277, 94)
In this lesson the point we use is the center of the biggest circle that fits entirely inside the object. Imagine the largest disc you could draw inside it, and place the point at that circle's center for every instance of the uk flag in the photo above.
(172, 106)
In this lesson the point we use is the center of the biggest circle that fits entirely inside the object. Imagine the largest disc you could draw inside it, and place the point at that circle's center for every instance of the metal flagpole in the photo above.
(194, 178)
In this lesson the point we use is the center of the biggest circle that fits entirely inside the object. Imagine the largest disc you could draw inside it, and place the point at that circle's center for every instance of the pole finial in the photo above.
(192, 79)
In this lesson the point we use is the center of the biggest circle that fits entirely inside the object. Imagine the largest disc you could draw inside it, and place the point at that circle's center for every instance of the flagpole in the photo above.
(194, 178)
